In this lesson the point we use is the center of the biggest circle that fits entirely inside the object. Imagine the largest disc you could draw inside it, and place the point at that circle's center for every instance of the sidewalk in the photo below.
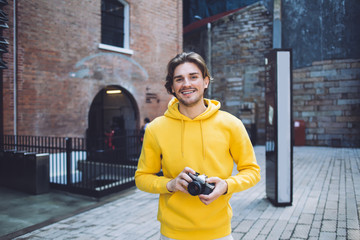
(326, 205)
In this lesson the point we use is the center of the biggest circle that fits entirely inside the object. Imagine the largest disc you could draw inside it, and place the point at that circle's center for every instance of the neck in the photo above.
(192, 111)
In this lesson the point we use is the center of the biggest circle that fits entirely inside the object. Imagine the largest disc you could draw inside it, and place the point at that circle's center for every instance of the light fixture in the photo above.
(113, 91)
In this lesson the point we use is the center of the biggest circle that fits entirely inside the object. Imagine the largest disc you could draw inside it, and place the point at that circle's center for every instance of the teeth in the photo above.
(187, 92)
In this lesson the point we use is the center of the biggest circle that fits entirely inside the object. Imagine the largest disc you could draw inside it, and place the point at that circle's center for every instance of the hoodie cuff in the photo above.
(162, 184)
(230, 184)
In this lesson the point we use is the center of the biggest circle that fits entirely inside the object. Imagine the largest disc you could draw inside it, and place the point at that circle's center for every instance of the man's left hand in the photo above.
(221, 187)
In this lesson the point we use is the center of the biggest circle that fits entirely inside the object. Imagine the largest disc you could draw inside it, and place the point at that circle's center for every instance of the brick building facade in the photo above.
(61, 66)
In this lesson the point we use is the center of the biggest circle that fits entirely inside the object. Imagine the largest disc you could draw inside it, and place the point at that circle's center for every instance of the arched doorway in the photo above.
(112, 112)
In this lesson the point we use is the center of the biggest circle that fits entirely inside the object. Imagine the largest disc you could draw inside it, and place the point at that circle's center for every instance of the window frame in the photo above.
(126, 49)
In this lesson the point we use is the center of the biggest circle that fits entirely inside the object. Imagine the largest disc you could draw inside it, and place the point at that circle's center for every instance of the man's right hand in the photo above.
(181, 182)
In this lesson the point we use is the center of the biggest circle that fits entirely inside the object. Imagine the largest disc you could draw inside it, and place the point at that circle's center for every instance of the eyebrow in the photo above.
(191, 74)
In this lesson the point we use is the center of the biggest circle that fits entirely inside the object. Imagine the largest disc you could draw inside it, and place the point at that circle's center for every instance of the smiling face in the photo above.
(189, 84)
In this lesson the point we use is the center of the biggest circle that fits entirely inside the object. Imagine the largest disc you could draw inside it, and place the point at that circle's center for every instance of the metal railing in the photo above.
(85, 166)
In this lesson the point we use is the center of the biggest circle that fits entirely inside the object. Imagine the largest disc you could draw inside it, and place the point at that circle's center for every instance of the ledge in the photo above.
(116, 49)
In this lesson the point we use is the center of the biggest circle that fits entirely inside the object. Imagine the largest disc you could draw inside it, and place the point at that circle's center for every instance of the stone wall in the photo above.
(239, 44)
(326, 96)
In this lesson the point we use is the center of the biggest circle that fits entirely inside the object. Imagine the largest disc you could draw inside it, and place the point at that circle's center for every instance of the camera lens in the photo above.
(194, 188)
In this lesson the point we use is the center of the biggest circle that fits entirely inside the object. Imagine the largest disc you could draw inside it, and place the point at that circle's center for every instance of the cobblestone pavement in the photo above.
(326, 201)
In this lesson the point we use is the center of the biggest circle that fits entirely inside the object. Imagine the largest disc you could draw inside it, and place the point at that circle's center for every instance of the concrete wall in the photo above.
(61, 67)
(321, 30)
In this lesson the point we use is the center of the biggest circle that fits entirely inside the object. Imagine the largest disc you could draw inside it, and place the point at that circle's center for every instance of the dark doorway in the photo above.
(113, 112)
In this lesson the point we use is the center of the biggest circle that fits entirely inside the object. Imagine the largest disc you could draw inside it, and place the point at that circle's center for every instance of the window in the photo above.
(115, 26)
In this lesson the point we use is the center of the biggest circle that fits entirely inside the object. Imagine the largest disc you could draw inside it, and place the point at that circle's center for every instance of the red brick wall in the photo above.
(326, 96)
(61, 68)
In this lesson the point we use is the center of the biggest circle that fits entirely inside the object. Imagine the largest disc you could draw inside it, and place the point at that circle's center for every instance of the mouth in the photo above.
(187, 91)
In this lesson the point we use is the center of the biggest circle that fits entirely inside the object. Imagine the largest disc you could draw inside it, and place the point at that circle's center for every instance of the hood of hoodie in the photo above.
(212, 106)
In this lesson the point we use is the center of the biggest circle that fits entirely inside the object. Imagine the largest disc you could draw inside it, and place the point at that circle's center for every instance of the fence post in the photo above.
(68, 161)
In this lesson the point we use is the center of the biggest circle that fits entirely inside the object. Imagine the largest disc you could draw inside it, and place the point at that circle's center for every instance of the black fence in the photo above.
(91, 167)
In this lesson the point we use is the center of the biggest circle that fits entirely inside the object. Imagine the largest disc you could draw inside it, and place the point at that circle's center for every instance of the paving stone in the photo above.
(330, 214)
(328, 226)
(314, 232)
(341, 224)
(306, 218)
(244, 226)
(353, 234)
(267, 228)
(327, 236)
(341, 238)
(301, 231)
(352, 224)
(289, 229)
(236, 235)
(341, 232)
(277, 230)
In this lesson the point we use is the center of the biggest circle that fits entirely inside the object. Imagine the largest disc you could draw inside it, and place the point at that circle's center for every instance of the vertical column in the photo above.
(279, 128)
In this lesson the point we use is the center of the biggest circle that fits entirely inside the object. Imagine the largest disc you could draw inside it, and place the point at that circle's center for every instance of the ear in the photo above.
(206, 82)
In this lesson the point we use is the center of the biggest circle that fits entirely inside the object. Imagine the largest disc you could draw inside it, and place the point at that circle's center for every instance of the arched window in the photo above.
(115, 26)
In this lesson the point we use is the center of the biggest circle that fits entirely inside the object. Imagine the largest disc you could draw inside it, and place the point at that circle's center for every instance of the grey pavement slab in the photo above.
(20, 210)
(326, 201)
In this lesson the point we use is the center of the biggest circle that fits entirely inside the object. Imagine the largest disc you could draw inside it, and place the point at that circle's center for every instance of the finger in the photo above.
(184, 183)
(214, 195)
(213, 180)
(187, 178)
(205, 199)
(206, 203)
(184, 175)
(183, 188)
(187, 170)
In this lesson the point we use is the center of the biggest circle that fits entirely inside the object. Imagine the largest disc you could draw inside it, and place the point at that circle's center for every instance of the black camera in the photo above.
(199, 185)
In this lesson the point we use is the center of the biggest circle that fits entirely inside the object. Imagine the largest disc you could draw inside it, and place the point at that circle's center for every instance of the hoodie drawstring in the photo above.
(202, 141)
(182, 137)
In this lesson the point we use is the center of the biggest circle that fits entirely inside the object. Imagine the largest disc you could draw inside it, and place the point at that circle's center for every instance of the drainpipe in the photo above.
(209, 55)
(277, 24)
(15, 70)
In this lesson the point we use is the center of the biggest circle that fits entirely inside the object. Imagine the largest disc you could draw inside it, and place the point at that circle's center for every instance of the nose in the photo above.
(186, 81)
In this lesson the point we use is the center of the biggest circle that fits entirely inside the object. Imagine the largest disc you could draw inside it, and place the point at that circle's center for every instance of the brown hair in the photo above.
(181, 58)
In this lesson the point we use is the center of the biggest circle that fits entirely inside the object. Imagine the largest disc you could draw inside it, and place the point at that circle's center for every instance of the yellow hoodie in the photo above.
(209, 144)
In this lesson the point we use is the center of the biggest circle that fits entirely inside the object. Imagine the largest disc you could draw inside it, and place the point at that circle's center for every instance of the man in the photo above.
(194, 136)
(142, 131)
